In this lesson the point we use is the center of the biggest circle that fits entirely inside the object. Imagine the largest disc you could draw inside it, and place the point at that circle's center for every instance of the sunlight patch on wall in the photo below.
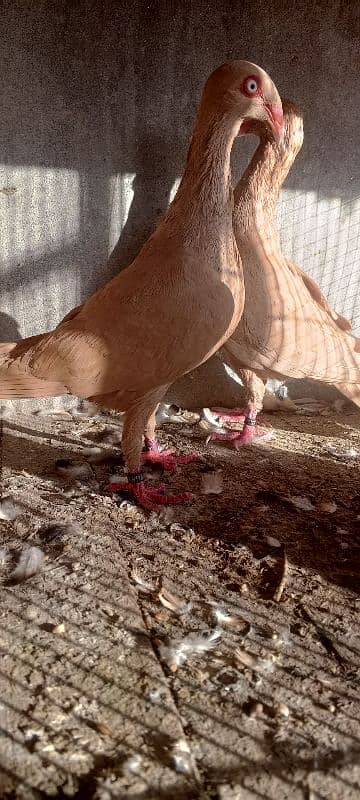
(121, 197)
(174, 189)
(39, 211)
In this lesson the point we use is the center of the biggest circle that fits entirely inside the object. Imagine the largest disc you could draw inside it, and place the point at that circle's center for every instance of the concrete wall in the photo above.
(97, 101)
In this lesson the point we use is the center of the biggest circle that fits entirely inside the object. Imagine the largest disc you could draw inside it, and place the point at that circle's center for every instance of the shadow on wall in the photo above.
(9, 330)
(123, 103)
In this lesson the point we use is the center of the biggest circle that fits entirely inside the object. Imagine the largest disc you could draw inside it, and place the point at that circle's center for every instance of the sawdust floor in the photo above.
(78, 701)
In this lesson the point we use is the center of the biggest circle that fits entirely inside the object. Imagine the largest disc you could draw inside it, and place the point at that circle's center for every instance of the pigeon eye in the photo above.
(251, 87)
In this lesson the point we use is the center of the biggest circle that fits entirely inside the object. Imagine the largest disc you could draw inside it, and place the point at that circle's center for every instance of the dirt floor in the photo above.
(101, 697)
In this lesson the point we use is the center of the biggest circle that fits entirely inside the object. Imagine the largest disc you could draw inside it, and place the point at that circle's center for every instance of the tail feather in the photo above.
(14, 383)
(15, 380)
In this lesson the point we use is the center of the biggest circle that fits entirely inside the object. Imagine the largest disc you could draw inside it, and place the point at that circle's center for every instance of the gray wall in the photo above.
(96, 109)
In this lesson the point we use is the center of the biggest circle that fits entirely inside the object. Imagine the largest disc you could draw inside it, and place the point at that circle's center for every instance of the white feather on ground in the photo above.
(74, 470)
(212, 482)
(4, 556)
(175, 654)
(55, 531)
(144, 586)
(8, 509)
(30, 563)
(173, 603)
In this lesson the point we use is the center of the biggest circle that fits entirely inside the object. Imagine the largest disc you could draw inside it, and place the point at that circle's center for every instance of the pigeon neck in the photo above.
(206, 183)
(258, 190)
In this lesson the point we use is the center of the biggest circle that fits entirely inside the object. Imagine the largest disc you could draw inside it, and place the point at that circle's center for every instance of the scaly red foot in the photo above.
(150, 499)
(237, 415)
(250, 434)
(165, 458)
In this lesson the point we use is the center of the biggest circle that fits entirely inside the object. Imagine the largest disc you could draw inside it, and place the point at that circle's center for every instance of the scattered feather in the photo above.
(59, 629)
(4, 556)
(175, 604)
(212, 482)
(103, 729)
(115, 477)
(5, 412)
(233, 375)
(282, 636)
(224, 619)
(57, 530)
(85, 409)
(272, 542)
(109, 436)
(145, 587)
(30, 563)
(8, 509)
(133, 765)
(210, 423)
(182, 758)
(154, 696)
(348, 453)
(283, 577)
(244, 659)
(169, 412)
(211, 418)
(329, 508)
(282, 710)
(93, 453)
(301, 503)
(73, 470)
(175, 654)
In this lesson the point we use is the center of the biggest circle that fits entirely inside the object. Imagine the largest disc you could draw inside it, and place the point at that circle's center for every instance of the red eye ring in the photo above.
(247, 89)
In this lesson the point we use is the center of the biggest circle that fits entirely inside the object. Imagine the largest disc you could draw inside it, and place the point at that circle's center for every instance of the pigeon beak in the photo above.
(276, 120)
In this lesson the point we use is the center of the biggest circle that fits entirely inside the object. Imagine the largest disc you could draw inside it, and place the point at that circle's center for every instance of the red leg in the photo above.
(250, 433)
(236, 415)
(165, 458)
(150, 499)
(233, 415)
